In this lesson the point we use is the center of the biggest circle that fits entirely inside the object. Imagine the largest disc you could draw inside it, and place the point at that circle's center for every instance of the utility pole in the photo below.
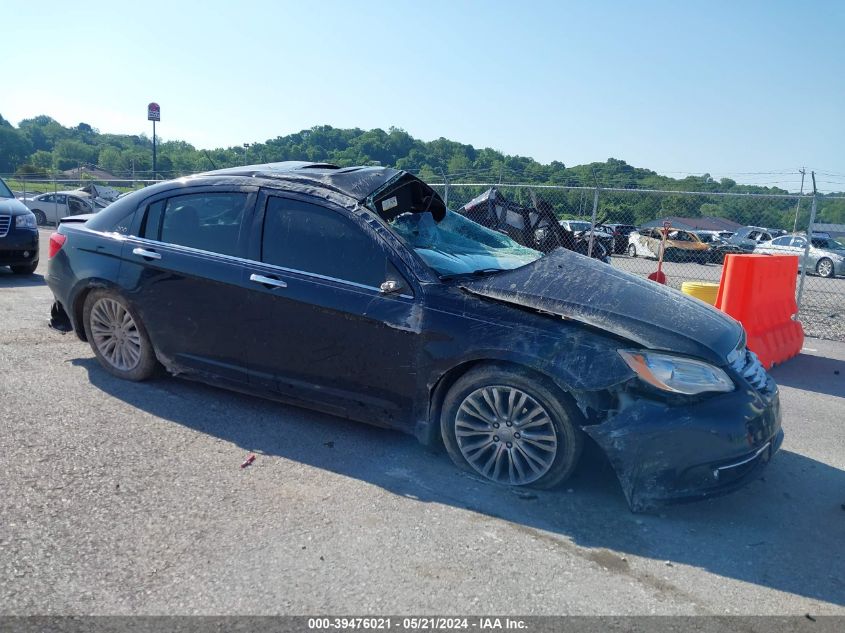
(798, 206)
(803, 260)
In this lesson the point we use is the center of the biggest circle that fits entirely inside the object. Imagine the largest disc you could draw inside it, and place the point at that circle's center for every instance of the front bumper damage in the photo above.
(668, 453)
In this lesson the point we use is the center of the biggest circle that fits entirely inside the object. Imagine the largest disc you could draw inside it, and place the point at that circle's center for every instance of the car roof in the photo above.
(355, 182)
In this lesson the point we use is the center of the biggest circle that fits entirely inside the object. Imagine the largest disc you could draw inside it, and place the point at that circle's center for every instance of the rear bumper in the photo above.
(665, 454)
(19, 247)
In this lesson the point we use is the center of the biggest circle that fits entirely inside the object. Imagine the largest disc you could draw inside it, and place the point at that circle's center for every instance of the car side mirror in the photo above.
(390, 286)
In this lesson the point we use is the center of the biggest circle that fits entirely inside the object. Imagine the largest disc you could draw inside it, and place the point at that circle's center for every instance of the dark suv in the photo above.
(18, 234)
(356, 292)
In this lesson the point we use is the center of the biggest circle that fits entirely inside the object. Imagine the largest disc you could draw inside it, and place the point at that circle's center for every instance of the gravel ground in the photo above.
(123, 498)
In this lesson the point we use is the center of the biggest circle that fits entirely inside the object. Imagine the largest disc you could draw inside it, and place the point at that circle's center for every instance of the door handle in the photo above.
(142, 252)
(267, 281)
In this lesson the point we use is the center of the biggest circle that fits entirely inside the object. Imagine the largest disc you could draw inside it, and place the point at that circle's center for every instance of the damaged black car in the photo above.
(355, 291)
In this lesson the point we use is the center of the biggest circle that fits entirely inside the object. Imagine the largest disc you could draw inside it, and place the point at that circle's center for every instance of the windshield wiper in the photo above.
(474, 273)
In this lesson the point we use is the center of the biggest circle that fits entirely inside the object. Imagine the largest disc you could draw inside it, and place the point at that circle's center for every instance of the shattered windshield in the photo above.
(458, 246)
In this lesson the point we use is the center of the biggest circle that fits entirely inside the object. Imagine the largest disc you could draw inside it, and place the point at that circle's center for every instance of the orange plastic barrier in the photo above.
(759, 292)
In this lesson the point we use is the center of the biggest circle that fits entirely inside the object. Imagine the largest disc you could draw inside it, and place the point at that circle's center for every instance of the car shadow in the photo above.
(818, 374)
(8, 279)
(784, 531)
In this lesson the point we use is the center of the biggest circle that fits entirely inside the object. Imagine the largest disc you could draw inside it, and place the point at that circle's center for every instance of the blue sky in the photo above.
(728, 88)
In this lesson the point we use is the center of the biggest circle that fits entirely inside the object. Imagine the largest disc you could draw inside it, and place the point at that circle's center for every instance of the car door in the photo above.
(77, 206)
(183, 270)
(47, 204)
(797, 246)
(334, 315)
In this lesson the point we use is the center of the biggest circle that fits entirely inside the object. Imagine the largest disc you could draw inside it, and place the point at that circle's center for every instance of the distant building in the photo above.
(704, 223)
(88, 171)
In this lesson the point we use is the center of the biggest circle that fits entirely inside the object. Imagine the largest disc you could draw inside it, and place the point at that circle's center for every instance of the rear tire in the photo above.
(511, 427)
(632, 250)
(118, 337)
(824, 267)
(26, 269)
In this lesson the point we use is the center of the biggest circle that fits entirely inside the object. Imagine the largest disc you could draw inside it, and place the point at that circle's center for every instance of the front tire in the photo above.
(824, 267)
(40, 218)
(511, 427)
(118, 337)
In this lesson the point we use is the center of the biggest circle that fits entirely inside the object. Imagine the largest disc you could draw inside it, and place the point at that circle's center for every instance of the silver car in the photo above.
(48, 208)
(826, 256)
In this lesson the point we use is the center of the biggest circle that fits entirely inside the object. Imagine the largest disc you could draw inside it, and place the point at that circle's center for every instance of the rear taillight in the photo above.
(57, 240)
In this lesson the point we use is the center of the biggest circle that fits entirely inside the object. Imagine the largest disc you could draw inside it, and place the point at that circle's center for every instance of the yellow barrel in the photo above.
(701, 290)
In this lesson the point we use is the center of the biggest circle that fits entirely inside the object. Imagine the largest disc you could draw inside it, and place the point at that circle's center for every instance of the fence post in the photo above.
(803, 260)
(798, 206)
(593, 223)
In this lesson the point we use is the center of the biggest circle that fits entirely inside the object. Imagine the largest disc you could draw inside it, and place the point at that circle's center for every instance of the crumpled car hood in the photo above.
(647, 313)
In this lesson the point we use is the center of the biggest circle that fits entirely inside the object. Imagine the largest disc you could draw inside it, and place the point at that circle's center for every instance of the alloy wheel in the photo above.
(825, 268)
(115, 334)
(506, 435)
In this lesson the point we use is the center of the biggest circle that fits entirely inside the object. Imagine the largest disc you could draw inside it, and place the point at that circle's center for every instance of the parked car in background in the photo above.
(620, 233)
(581, 229)
(718, 246)
(748, 237)
(681, 246)
(49, 208)
(825, 257)
(18, 234)
(722, 235)
(355, 291)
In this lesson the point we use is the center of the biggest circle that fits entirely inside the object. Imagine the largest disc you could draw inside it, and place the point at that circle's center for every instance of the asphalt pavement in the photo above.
(125, 498)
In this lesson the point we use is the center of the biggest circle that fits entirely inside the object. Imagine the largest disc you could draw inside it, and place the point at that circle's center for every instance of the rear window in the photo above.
(115, 218)
(205, 221)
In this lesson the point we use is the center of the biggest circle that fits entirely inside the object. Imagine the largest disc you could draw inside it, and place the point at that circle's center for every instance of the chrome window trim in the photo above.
(251, 262)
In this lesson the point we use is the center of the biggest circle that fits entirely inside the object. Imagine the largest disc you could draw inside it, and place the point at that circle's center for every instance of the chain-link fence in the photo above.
(695, 230)
(623, 226)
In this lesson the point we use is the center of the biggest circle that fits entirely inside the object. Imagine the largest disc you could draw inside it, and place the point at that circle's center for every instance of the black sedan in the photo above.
(356, 292)
(18, 234)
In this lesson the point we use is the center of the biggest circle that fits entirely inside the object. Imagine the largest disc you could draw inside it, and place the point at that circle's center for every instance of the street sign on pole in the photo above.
(154, 114)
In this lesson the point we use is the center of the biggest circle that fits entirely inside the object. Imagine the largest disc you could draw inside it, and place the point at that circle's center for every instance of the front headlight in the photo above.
(676, 374)
(25, 221)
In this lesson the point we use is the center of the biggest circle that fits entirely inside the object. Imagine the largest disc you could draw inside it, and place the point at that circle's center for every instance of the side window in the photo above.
(782, 241)
(206, 221)
(49, 198)
(800, 242)
(61, 199)
(314, 239)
